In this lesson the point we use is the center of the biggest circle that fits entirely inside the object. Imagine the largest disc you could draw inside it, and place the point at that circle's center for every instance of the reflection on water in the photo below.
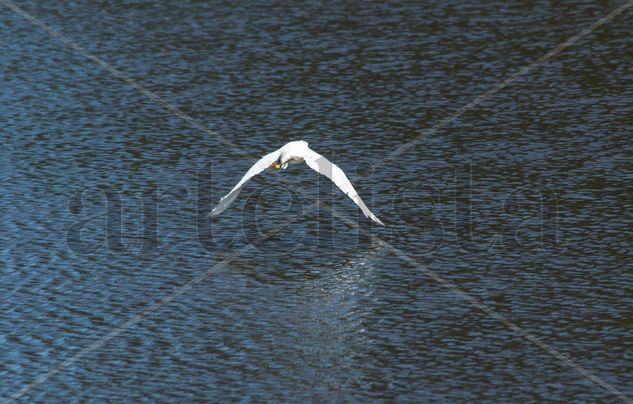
(524, 202)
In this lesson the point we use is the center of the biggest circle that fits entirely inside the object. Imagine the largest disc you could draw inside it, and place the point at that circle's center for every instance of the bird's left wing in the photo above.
(324, 166)
(257, 168)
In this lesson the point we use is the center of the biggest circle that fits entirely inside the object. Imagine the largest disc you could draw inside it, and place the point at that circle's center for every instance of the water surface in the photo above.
(524, 202)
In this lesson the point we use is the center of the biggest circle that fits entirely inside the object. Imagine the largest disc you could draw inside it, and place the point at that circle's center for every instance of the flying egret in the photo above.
(294, 153)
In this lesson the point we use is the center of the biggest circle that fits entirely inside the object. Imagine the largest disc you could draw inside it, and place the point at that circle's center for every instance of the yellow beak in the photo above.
(275, 166)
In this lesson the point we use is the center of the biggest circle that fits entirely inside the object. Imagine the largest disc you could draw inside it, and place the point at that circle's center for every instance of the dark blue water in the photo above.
(524, 202)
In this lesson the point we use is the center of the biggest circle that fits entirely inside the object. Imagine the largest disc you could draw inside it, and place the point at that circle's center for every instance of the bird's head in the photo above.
(280, 163)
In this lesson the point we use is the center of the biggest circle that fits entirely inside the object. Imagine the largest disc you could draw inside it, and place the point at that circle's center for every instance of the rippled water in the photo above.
(524, 202)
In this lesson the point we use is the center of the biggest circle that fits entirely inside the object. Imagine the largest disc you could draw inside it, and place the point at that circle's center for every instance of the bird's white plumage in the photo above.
(257, 168)
(294, 153)
(324, 166)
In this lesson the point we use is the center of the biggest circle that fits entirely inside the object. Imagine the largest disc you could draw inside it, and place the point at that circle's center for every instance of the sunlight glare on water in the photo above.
(524, 202)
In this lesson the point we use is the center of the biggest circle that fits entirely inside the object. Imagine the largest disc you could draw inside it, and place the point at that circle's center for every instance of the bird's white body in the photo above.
(294, 153)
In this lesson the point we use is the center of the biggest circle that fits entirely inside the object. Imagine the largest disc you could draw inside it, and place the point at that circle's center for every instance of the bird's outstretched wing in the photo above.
(257, 168)
(324, 166)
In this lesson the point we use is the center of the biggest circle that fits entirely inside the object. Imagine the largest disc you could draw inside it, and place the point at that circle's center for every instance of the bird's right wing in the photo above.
(257, 168)
(324, 166)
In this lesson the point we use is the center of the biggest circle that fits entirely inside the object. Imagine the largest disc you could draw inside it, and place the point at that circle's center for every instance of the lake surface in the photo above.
(524, 202)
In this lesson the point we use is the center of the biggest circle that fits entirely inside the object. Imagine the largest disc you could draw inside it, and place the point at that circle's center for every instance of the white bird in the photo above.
(294, 153)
